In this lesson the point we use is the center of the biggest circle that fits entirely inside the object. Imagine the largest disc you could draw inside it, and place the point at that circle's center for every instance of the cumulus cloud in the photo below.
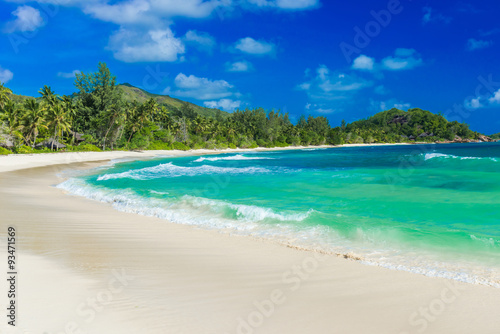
(328, 86)
(202, 40)
(27, 19)
(5, 75)
(223, 104)
(475, 44)
(483, 101)
(251, 46)
(239, 66)
(201, 88)
(134, 11)
(151, 12)
(364, 63)
(403, 59)
(155, 45)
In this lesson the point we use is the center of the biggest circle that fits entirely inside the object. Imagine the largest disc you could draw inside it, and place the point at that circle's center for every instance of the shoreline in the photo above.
(14, 162)
(192, 280)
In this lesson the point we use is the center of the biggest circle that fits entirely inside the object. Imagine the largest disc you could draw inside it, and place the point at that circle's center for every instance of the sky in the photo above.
(344, 60)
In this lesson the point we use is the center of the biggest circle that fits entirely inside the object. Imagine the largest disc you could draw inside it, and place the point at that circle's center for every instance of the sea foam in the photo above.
(171, 170)
(231, 158)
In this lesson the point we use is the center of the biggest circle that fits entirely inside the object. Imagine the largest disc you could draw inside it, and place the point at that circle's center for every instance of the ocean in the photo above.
(428, 209)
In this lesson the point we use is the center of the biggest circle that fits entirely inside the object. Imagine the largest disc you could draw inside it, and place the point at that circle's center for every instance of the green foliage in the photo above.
(4, 151)
(87, 148)
(23, 149)
(140, 141)
(159, 145)
(124, 117)
(495, 136)
(180, 146)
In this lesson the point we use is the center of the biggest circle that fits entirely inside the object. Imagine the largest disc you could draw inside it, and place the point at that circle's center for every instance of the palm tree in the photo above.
(10, 117)
(70, 109)
(48, 96)
(58, 120)
(116, 116)
(34, 119)
(4, 95)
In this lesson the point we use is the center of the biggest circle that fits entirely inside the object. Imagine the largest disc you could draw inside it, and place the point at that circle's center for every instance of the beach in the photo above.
(85, 267)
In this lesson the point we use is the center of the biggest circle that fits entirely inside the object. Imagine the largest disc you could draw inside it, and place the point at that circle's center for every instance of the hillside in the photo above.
(412, 125)
(131, 93)
(495, 136)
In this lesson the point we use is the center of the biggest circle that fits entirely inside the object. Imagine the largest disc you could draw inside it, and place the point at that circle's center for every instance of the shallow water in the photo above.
(429, 209)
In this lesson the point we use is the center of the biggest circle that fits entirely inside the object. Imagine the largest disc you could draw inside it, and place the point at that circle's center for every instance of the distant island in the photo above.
(103, 115)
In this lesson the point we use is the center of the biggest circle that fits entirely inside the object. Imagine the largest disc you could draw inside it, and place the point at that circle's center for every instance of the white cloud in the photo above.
(363, 63)
(377, 106)
(254, 47)
(68, 75)
(201, 88)
(5, 75)
(474, 44)
(27, 19)
(483, 101)
(120, 13)
(286, 4)
(223, 104)
(155, 45)
(328, 86)
(495, 99)
(239, 66)
(201, 38)
(404, 59)
(431, 16)
(151, 12)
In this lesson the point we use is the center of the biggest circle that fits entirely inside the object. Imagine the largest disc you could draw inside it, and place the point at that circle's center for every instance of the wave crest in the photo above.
(171, 170)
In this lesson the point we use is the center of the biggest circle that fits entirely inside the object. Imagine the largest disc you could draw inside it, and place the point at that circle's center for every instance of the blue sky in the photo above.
(343, 60)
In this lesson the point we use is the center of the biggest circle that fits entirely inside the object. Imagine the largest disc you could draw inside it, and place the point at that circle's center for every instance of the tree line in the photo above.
(97, 117)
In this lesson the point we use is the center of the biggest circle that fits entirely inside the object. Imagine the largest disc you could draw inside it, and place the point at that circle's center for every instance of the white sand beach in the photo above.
(87, 268)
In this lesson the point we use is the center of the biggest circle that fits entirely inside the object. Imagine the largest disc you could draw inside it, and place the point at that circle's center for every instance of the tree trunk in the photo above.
(52, 143)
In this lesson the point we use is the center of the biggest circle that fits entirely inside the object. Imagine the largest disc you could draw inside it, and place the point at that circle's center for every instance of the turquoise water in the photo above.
(429, 209)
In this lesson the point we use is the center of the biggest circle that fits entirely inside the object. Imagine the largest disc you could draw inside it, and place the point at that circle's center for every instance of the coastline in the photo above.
(14, 162)
(184, 279)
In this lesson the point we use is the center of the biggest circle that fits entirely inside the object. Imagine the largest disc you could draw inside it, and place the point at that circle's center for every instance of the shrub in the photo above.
(221, 146)
(232, 146)
(4, 151)
(180, 146)
(139, 142)
(88, 148)
(280, 144)
(159, 145)
(24, 150)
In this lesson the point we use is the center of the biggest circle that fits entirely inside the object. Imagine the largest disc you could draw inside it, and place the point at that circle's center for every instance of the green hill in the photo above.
(414, 125)
(495, 136)
(131, 93)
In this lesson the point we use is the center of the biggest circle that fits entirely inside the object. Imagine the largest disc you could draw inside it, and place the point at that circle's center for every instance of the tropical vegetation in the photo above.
(103, 115)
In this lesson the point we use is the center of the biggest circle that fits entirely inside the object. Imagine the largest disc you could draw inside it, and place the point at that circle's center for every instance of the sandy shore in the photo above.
(87, 268)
